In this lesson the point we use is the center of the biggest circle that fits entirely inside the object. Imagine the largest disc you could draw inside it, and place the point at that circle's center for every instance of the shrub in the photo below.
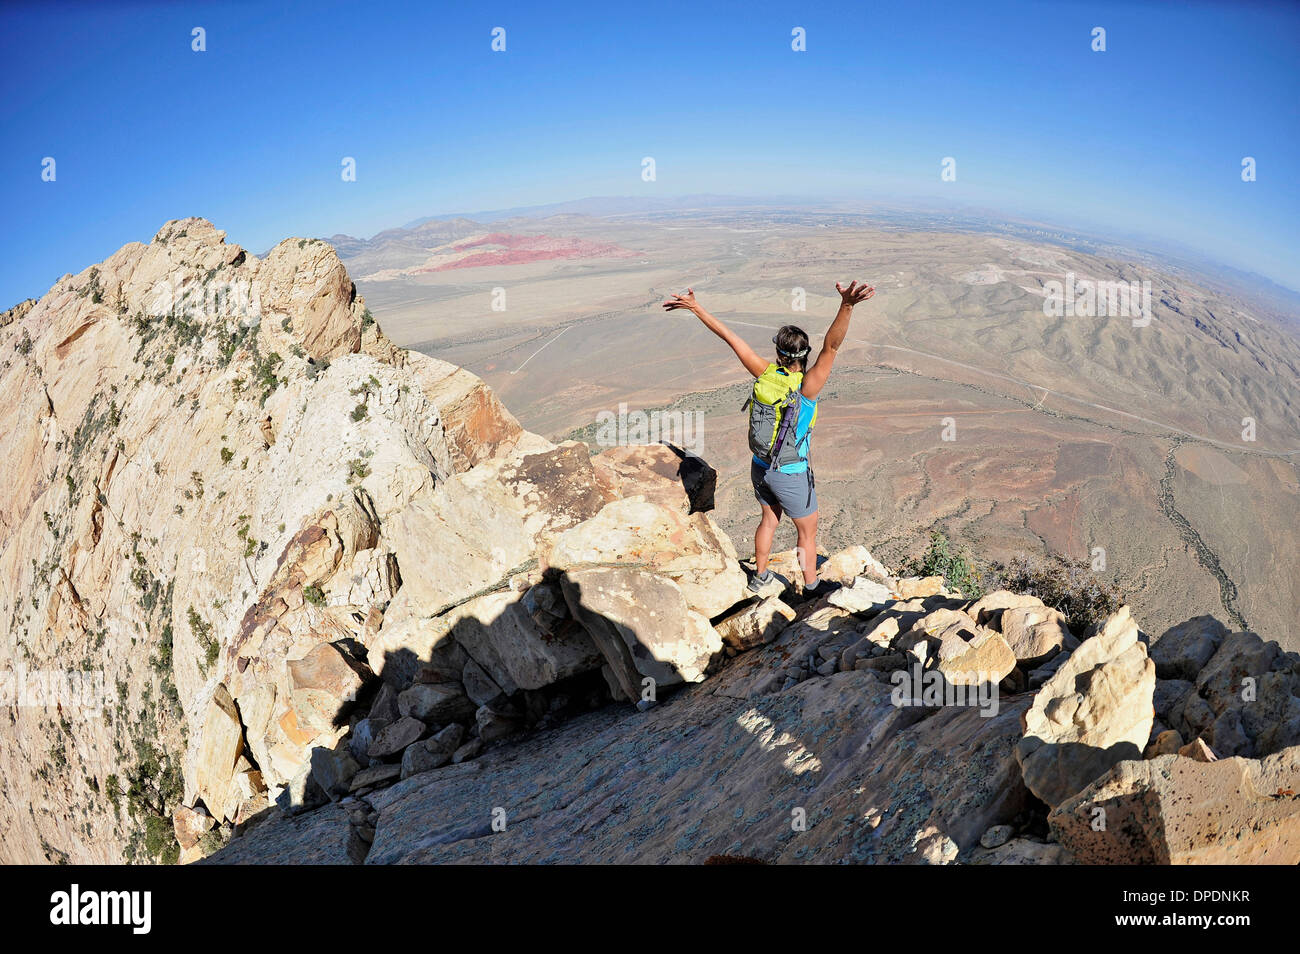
(1070, 586)
(958, 570)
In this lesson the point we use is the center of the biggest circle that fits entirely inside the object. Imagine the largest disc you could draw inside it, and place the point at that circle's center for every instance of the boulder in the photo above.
(479, 686)
(966, 653)
(419, 757)
(1034, 633)
(384, 705)
(1023, 851)
(1221, 682)
(1167, 742)
(497, 632)
(987, 610)
(301, 793)
(1094, 712)
(544, 604)
(333, 770)
(1177, 810)
(1182, 651)
(448, 740)
(861, 595)
(394, 738)
(467, 751)
(1198, 751)
(984, 658)
(914, 587)
(850, 563)
(997, 836)
(642, 625)
(692, 551)
(190, 825)
(435, 704)
(220, 747)
(363, 734)
(376, 775)
(1169, 692)
(497, 720)
(324, 685)
(758, 623)
(408, 644)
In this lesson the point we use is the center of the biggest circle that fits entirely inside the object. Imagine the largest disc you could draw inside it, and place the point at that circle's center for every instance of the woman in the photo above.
(781, 471)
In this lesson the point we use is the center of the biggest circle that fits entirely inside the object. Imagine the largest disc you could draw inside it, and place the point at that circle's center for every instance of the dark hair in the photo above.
(791, 347)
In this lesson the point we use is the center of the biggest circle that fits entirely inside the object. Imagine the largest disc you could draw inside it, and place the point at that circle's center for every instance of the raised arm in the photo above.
(748, 357)
(815, 379)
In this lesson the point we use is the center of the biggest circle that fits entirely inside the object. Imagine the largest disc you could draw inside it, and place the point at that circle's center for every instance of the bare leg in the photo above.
(806, 528)
(763, 537)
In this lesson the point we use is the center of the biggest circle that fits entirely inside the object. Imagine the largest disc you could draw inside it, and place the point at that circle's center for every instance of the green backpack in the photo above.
(773, 412)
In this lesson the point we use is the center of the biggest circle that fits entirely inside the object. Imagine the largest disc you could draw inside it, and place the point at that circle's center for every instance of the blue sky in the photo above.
(1148, 136)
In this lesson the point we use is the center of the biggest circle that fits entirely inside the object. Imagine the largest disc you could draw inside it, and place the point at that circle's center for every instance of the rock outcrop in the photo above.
(334, 604)
(1178, 810)
(1095, 712)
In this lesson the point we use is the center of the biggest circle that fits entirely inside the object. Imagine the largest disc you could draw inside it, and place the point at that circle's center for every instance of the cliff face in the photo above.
(187, 430)
(333, 603)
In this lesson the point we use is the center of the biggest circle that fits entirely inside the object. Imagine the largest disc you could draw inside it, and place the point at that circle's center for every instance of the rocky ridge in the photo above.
(348, 610)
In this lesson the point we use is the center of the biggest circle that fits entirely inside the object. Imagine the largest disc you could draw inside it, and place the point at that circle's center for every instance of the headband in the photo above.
(789, 354)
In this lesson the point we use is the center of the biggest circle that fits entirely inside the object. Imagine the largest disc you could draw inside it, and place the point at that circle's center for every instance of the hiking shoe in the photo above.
(819, 589)
(760, 580)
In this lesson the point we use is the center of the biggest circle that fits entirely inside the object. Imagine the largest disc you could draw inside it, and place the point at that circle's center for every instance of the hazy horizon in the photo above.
(253, 131)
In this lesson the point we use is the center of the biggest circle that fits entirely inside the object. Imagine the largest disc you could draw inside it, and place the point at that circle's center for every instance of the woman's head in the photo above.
(791, 348)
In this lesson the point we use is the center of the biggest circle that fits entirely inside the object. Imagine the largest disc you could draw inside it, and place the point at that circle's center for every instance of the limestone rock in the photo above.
(642, 625)
(219, 749)
(860, 595)
(987, 610)
(435, 703)
(662, 474)
(1094, 712)
(1176, 810)
(1034, 633)
(325, 683)
(333, 770)
(1198, 751)
(914, 587)
(498, 633)
(756, 624)
(689, 550)
(1168, 742)
(190, 824)
(396, 737)
(1183, 650)
(477, 424)
(850, 563)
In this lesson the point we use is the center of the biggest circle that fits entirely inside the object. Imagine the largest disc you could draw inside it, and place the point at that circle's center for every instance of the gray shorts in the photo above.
(793, 493)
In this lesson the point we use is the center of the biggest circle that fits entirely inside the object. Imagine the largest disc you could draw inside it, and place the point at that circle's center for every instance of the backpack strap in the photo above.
(791, 400)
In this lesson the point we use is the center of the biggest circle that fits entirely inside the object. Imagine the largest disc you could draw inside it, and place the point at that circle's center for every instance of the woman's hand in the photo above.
(686, 301)
(855, 294)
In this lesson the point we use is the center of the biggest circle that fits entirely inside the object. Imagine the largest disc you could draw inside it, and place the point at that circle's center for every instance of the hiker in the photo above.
(782, 412)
